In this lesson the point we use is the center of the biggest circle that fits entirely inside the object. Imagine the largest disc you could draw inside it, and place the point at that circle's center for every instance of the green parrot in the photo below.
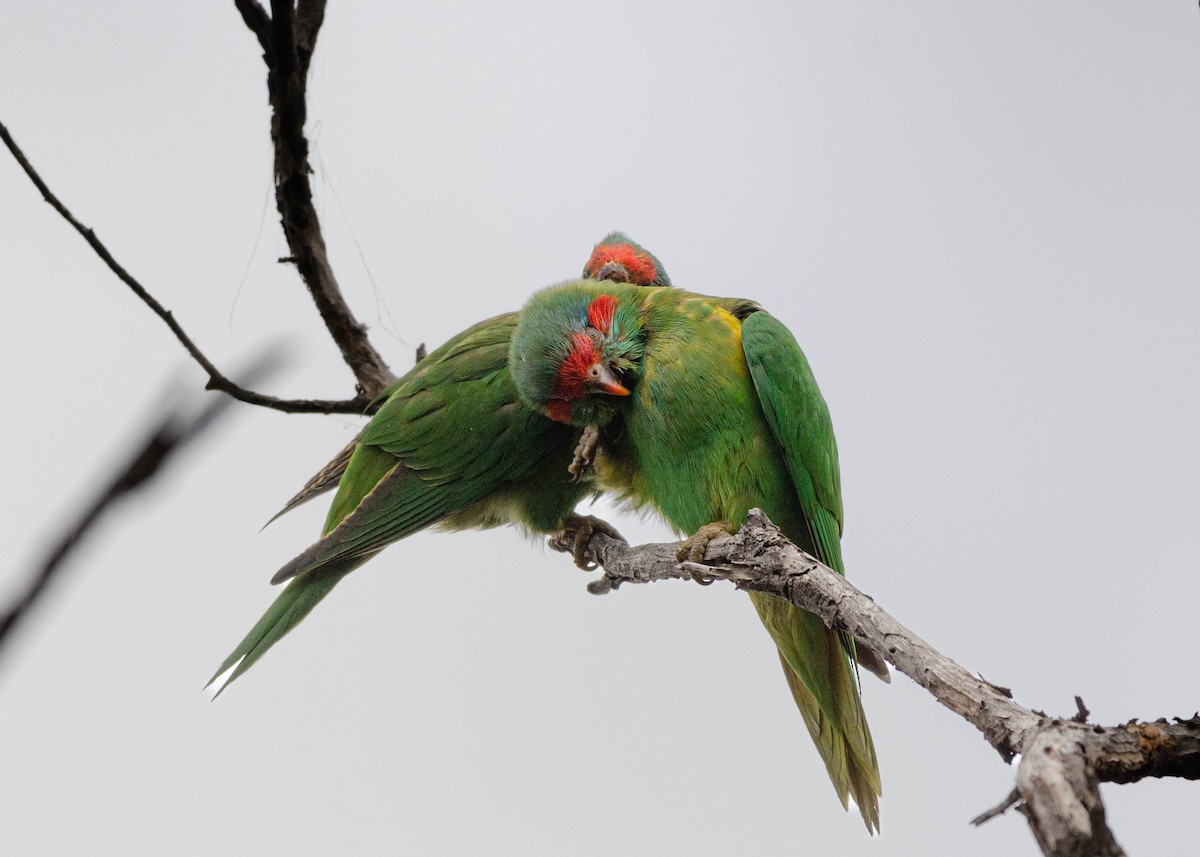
(617, 258)
(450, 445)
(622, 260)
(717, 412)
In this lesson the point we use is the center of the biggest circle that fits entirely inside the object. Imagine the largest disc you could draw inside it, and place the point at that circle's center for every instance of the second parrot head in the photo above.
(577, 351)
(621, 259)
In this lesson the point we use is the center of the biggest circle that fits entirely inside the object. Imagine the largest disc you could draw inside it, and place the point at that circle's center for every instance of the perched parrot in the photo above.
(450, 445)
(617, 257)
(718, 413)
(622, 260)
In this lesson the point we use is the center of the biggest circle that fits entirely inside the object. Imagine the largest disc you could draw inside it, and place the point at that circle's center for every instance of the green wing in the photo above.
(800, 422)
(452, 445)
(817, 665)
(328, 477)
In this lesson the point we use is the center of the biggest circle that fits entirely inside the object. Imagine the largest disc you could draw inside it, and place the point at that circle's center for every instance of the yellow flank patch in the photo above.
(734, 323)
(721, 322)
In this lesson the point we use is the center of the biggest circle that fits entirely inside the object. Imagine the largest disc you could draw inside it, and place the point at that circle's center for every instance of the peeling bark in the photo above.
(1063, 761)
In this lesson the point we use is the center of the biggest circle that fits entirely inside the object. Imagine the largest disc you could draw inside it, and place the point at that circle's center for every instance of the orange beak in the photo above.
(606, 382)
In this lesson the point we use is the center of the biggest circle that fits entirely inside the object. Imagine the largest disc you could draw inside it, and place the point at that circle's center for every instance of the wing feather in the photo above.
(450, 444)
(800, 421)
(818, 668)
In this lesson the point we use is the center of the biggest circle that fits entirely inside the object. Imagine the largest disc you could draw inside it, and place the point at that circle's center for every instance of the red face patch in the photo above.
(641, 268)
(559, 410)
(573, 372)
(600, 313)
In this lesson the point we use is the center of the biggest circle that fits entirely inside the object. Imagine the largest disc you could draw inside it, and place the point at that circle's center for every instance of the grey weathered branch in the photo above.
(288, 38)
(216, 379)
(1062, 760)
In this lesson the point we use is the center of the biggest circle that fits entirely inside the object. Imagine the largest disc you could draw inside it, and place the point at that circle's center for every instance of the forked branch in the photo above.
(289, 38)
(1062, 760)
(217, 380)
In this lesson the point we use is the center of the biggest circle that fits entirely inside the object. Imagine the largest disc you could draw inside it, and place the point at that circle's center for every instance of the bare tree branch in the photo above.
(310, 14)
(1062, 760)
(257, 20)
(173, 432)
(290, 40)
(1013, 798)
(1061, 796)
(216, 379)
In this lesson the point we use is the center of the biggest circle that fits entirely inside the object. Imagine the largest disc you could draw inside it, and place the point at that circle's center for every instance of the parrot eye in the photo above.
(594, 371)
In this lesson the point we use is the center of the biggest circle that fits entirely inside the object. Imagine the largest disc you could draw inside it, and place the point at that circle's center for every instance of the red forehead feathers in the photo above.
(638, 263)
(581, 357)
(600, 313)
(574, 369)
(584, 353)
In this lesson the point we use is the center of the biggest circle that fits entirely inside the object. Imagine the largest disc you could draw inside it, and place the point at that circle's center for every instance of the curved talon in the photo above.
(705, 575)
(576, 547)
(693, 547)
(581, 528)
(585, 453)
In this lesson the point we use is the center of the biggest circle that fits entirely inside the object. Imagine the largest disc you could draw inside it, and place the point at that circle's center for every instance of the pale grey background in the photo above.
(979, 218)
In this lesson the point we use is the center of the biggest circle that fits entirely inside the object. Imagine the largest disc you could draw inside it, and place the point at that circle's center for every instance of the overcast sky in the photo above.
(979, 218)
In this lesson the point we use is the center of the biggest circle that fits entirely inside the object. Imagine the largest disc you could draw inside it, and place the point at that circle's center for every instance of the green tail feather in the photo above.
(313, 580)
(821, 679)
(292, 605)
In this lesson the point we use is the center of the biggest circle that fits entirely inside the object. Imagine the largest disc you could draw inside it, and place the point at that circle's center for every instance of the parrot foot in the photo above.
(576, 536)
(691, 549)
(585, 453)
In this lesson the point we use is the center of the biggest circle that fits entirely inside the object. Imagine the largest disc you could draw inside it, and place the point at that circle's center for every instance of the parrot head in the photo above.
(622, 260)
(576, 352)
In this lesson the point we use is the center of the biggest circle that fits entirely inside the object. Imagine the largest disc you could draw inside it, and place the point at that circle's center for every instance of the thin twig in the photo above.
(290, 40)
(174, 431)
(1014, 797)
(216, 379)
